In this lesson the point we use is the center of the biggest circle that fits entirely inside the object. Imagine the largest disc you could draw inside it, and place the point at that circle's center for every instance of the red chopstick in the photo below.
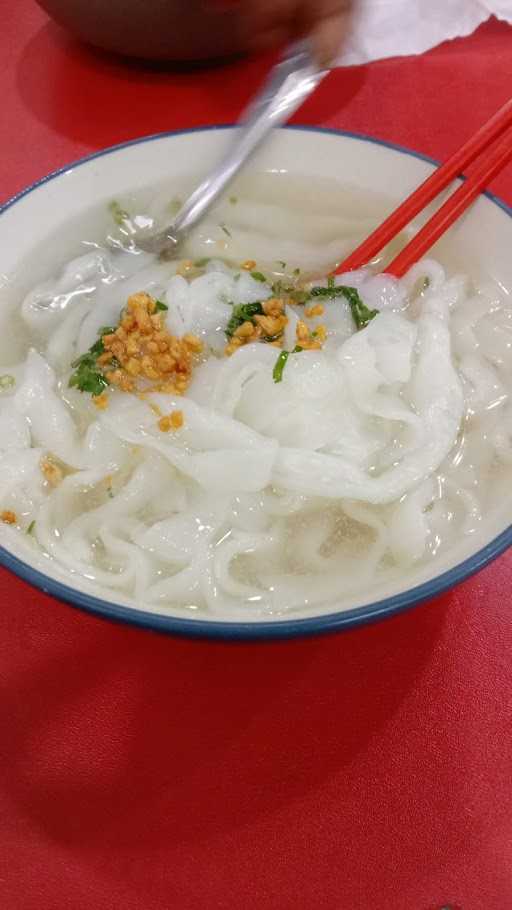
(497, 159)
(427, 192)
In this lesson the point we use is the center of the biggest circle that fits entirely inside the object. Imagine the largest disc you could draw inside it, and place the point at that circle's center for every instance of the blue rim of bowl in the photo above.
(275, 629)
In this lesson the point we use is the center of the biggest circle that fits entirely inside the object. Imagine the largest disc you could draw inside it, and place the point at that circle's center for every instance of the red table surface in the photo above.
(368, 770)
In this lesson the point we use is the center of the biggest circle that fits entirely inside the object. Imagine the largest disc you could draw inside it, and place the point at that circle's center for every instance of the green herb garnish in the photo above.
(88, 376)
(106, 330)
(7, 382)
(282, 360)
(258, 276)
(160, 306)
(242, 312)
(331, 282)
(328, 292)
(30, 529)
(225, 229)
(282, 264)
(361, 314)
(200, 263)
(296, 272)
(119, 214)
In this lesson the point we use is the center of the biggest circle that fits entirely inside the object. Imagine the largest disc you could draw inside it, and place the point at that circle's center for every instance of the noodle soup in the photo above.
(234, 434)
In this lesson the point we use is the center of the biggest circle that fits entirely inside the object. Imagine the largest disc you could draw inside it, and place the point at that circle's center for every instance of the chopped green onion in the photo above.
(161, 307)
(200, 263)
(296, 272)
(281, 263)
(225, 229)
(119, 214)
(30, 529)
(7, 382)
(281, 362)
(258, 276)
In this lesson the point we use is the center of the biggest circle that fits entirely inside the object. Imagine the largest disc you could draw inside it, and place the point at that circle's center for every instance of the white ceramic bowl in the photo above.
(483, 238)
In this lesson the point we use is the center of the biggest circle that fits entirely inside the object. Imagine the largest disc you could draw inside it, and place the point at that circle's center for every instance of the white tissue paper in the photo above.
(397, 28)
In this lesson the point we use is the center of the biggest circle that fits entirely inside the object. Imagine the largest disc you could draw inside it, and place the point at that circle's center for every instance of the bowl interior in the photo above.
(479, 245)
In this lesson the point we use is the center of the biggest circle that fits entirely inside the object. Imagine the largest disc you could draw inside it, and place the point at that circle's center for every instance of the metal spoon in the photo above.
(291, 81)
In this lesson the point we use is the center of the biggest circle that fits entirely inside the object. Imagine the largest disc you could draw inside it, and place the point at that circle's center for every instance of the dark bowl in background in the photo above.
(172, 30)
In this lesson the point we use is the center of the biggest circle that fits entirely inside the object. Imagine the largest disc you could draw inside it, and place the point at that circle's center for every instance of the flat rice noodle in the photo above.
(19, 467)
(435, 392)
(409, 527)
(234, 458)
(51, 424)
(14, 428)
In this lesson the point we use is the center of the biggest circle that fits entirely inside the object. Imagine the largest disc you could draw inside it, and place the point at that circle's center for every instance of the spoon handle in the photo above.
(290, 82)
